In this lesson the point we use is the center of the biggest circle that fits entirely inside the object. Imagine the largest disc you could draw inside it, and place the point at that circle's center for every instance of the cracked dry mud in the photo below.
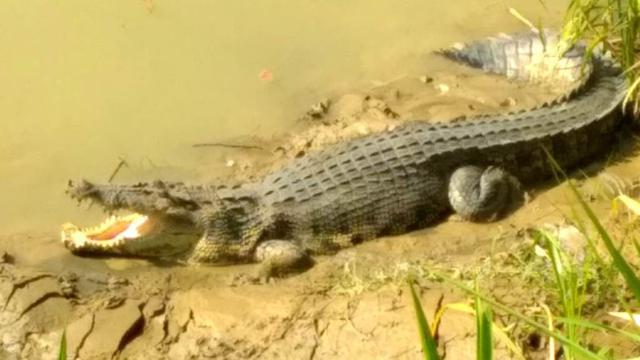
(351, 305)
(189, 313)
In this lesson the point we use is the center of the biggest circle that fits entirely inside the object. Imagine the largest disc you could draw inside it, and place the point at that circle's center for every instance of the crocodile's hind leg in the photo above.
(483, 194)
(280, 257)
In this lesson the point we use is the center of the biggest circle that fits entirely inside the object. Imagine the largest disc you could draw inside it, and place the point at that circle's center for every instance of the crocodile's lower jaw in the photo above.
(110, 236)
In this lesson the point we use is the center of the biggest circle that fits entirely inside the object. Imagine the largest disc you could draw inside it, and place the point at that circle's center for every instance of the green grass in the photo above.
(580, 350)
(428, 343)
(619, 261)
(484, 335)
(484, 326)
(569, 286)
(612, 24)
(62, 352)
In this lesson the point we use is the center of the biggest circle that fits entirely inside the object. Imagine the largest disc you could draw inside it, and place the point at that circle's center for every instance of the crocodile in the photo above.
(381, 184)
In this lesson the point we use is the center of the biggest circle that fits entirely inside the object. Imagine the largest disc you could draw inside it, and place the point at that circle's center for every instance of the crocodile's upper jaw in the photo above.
(160, 222)
(134, 234)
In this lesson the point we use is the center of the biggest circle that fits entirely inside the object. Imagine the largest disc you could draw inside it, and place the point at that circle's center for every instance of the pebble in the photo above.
(509, 101)
(6, 258)
(443, 88)
(426, 79)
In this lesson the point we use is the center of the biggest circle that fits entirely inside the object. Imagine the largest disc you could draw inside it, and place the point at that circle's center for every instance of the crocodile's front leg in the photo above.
(483, 194)
(276, 257)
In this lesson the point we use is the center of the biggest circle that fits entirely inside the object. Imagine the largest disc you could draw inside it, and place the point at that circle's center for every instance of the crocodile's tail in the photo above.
(538, 57)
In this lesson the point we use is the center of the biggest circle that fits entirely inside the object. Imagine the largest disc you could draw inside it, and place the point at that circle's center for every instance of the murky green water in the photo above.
(83, 84)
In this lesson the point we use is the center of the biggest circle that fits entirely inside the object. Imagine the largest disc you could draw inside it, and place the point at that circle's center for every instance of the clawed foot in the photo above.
(277, 258)
(281, 257)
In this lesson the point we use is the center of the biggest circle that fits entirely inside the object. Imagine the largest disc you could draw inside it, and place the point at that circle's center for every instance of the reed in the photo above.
(612, 25)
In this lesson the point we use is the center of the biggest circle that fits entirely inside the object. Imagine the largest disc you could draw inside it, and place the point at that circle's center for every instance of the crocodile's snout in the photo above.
(81, 190)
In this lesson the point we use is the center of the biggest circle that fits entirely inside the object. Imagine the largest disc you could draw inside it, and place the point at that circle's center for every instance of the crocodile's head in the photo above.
(160, 221)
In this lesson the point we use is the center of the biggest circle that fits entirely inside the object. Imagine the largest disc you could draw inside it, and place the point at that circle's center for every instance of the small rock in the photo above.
(426, 79)
(280, 151)
(69, 276)
(68, 284)
(229, 163)
(319, 109)
(508, 102)
(114, 282)
(113, 301)
(571, 240)
(6, 258)
(443, 88)
(362, 128)
(374, 103)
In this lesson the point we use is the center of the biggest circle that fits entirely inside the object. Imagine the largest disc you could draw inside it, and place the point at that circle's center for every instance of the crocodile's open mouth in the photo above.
(110, 235)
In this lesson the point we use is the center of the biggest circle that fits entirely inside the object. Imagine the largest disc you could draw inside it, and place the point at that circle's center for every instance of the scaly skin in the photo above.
(391, 182)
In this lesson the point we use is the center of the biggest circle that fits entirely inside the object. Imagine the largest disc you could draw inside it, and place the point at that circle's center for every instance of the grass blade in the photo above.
(601, 327)
(484, 344)
(62, 354)
(497, 332)
(567, 284)
(429, 347)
